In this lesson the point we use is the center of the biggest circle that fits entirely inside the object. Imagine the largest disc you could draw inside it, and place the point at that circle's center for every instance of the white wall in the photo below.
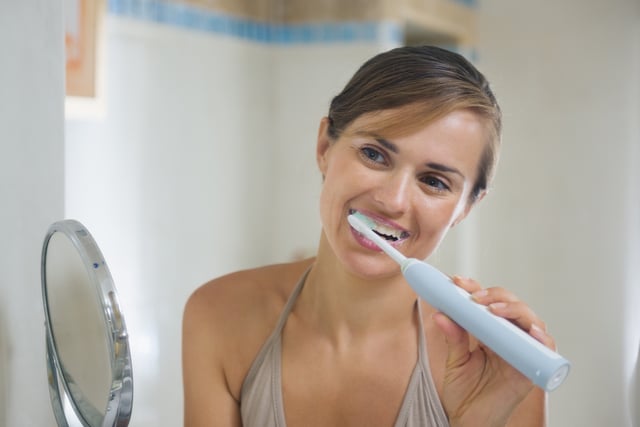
(166, 181)
(31, 190)
(562, 225)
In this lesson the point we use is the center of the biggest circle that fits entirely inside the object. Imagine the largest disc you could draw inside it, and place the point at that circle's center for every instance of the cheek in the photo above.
(437, 216)
(434, 227)
(324, 203)
(331, 197)
(342, 184)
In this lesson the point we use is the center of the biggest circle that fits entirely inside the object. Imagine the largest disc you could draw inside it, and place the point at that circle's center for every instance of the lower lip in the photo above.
(363, 241)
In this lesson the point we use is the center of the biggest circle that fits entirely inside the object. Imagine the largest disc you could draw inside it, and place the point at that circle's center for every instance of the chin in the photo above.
(373, 268)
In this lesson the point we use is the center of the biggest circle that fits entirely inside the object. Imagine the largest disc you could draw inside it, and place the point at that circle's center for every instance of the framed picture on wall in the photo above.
(82, 38)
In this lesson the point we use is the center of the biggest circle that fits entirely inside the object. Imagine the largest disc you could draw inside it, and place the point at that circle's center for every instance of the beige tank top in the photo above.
(261, 393)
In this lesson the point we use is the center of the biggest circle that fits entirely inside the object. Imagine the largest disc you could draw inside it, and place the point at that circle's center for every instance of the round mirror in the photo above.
(88, 358)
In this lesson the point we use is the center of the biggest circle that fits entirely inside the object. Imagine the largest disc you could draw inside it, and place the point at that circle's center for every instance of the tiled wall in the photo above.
(198, 18)
(289, 11)
(297, 21)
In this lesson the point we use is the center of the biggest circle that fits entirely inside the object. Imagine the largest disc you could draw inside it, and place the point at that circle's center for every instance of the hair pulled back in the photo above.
(434, 82)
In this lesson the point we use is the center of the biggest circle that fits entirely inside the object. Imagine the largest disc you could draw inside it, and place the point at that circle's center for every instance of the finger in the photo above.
(457, 340)
(467, 284)
(543, 336)
(494, 294)
(517, 312)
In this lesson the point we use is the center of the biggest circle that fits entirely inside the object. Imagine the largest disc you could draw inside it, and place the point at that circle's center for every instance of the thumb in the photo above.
(457, 340)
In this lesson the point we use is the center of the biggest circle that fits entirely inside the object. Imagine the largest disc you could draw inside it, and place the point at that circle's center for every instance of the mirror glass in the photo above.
(88, 357)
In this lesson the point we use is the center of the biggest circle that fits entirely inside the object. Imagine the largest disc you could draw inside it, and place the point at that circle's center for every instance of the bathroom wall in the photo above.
(163, 179)
(31, 194)
(562, 225)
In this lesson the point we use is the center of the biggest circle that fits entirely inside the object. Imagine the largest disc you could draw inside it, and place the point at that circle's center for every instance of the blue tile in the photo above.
(185, 16)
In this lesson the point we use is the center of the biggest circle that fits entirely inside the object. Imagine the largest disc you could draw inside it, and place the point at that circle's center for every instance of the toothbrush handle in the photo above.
(544, 367)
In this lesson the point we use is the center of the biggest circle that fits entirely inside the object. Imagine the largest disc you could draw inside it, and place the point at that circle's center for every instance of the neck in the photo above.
(343, 304)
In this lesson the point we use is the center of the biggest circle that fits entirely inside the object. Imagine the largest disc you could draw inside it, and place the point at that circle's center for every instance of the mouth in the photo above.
(386, 231)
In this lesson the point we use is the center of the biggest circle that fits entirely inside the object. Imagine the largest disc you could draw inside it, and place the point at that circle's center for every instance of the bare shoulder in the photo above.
(228, 319)
(244, 295)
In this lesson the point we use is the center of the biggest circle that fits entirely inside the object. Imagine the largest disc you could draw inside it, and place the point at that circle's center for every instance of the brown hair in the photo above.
(435, 82)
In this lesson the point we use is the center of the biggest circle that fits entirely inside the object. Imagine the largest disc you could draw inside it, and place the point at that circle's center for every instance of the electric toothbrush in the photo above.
(544, 367)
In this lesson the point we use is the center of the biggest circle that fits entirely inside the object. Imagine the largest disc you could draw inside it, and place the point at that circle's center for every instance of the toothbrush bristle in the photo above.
(359, 222)
(365, 219)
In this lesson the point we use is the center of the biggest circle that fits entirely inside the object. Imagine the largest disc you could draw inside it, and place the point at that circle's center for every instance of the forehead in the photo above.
(407, 120)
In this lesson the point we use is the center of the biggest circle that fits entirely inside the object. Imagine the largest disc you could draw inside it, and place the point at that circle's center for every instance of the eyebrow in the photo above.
(443, 168)
(433, 165)
(387, 144)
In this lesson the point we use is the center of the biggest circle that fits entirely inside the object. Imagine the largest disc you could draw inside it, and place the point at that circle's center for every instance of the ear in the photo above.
(322, 145)
(467, 208)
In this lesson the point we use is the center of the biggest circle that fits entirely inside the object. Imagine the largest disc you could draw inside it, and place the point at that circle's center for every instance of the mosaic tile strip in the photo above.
(199, 19)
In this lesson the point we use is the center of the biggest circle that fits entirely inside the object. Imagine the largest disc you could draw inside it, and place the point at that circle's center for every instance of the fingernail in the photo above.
(480, 294)
(536, 331)
(458, 278)
(497, 305)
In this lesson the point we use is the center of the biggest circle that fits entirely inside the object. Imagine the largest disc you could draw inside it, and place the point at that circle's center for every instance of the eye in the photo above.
(372, 155)
(434, 183)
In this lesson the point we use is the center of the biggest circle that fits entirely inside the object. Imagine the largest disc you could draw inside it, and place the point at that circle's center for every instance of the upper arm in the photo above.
(207, 398)
(531, 412)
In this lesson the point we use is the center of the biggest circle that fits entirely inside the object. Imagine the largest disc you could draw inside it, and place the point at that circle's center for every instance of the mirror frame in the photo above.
(65, 394)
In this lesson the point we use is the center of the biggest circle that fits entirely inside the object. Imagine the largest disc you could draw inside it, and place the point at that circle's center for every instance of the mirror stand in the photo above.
(87, 344)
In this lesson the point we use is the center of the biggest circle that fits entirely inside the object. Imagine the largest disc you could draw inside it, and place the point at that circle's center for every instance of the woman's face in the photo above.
(414, 187)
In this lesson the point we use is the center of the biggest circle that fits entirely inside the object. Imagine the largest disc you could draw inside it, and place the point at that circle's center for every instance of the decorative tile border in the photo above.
(469, 3)
(199, 19)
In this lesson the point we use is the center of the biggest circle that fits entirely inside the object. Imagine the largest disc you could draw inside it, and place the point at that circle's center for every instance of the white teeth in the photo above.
(385, 231)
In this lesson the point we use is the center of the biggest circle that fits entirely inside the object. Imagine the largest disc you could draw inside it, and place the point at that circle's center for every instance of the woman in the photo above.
(341, 339)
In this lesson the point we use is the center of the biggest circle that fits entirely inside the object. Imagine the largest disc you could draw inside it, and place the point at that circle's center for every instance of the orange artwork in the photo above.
(81, 34)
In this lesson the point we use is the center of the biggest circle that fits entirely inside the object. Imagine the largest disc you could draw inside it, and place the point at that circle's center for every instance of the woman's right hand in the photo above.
(480, 388)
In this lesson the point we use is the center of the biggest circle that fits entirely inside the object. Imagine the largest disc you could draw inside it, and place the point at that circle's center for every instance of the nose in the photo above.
(393, 192)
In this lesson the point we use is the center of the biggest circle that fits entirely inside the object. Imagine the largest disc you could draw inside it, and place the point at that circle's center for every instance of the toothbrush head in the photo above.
(361, 220)
(365, 225)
